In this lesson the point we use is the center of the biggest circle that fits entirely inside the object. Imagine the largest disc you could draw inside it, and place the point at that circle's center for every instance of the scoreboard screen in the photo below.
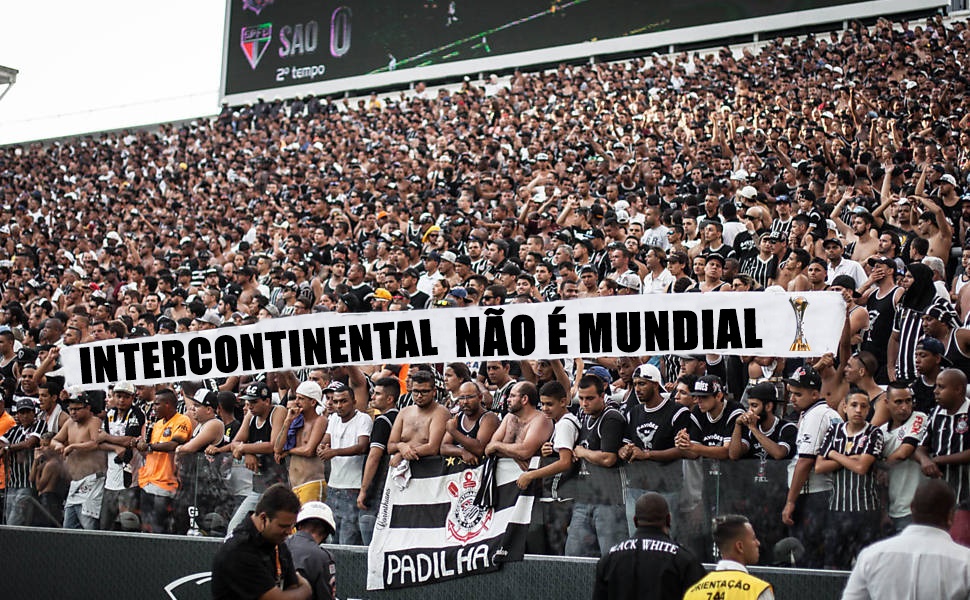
(291, 47)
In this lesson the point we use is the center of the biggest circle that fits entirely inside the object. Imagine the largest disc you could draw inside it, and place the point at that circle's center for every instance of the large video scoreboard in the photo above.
(293, 47)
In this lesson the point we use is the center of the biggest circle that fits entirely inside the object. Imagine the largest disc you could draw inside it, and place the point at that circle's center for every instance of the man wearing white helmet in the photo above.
(298, 439)
(314, 525)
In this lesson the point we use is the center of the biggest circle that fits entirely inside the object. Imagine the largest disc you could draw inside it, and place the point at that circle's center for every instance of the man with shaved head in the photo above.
(945, 451)
(648, 566)
(922, 562)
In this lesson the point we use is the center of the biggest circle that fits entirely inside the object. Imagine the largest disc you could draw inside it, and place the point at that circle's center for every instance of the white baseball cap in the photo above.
(125, 387)
(310, 389)
(316, 510)
(649, 372)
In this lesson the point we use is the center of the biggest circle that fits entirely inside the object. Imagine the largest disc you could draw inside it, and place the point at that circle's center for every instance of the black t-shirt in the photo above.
(231, 429)
(419, 301)
(601, 485)
(133, 421)
(379, 436)
(649, 566)
(247, 566)
(717, 432)
(783, 433)
(924, 400)
(655, 428)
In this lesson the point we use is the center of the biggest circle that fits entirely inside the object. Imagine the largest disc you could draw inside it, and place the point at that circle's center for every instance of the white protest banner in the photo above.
(749, 323)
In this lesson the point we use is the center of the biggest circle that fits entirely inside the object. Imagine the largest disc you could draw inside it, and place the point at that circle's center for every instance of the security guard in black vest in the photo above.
(648, 566)
(739, 547)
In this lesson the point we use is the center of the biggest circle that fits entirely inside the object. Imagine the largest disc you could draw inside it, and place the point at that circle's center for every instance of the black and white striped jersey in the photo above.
(760, 270)
(851, 491)
(18, 462)
(949, 434)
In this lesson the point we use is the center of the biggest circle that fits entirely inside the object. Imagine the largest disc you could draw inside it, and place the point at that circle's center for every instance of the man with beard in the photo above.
(85, 463)
(467, 434)
(653, 423)
(903, 433)
(524, 429)
(758, 433)
(420, 427)
(384, 400)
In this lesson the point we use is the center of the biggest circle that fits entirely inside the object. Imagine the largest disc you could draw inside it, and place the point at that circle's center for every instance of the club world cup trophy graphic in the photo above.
(799, 305)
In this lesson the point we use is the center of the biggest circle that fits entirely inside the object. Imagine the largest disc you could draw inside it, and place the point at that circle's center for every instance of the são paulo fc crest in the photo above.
(466, 520)
(256, 6)
(254, 41)
(962, 425)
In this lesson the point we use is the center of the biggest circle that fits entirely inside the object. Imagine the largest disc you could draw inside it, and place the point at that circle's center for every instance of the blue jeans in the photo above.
(368, 519)
(595, 528)
(346, 516)
(19, 509)
(73, 519)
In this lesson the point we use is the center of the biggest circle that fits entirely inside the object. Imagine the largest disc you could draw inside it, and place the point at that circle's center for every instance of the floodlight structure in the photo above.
(8, 77)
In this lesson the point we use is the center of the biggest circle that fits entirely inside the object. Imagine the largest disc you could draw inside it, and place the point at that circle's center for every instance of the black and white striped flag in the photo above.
(432, 530)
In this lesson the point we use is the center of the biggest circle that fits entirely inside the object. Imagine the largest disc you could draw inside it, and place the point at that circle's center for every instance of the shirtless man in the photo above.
(85, 463)
(46, 475)
(524, 430)
(471, 429)
(307, 473)
(791, 275)
(933, 225)
(419, 428)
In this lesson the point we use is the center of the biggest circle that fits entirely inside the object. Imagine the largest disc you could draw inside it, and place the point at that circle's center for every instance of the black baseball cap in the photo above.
(763, 391)
(256, 391)
(336, 386)
(206, 398)
(708, 385)
(805, 377)
(847, 282)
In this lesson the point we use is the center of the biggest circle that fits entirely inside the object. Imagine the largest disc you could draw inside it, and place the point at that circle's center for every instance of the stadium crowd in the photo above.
(827, 162)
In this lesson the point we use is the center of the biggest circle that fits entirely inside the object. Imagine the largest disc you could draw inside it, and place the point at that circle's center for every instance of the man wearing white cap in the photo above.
(123, 426)
(314, 525)
(653, 423)
(298, 439)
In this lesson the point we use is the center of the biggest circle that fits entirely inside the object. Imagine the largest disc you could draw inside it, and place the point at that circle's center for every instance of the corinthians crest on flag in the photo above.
(431, 529)
(254, 41)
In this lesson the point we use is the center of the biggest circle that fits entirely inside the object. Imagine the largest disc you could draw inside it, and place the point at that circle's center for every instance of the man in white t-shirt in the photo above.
(654, 231)
(808, 492)
(345, 445)
(901, 436)
(658, 279)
